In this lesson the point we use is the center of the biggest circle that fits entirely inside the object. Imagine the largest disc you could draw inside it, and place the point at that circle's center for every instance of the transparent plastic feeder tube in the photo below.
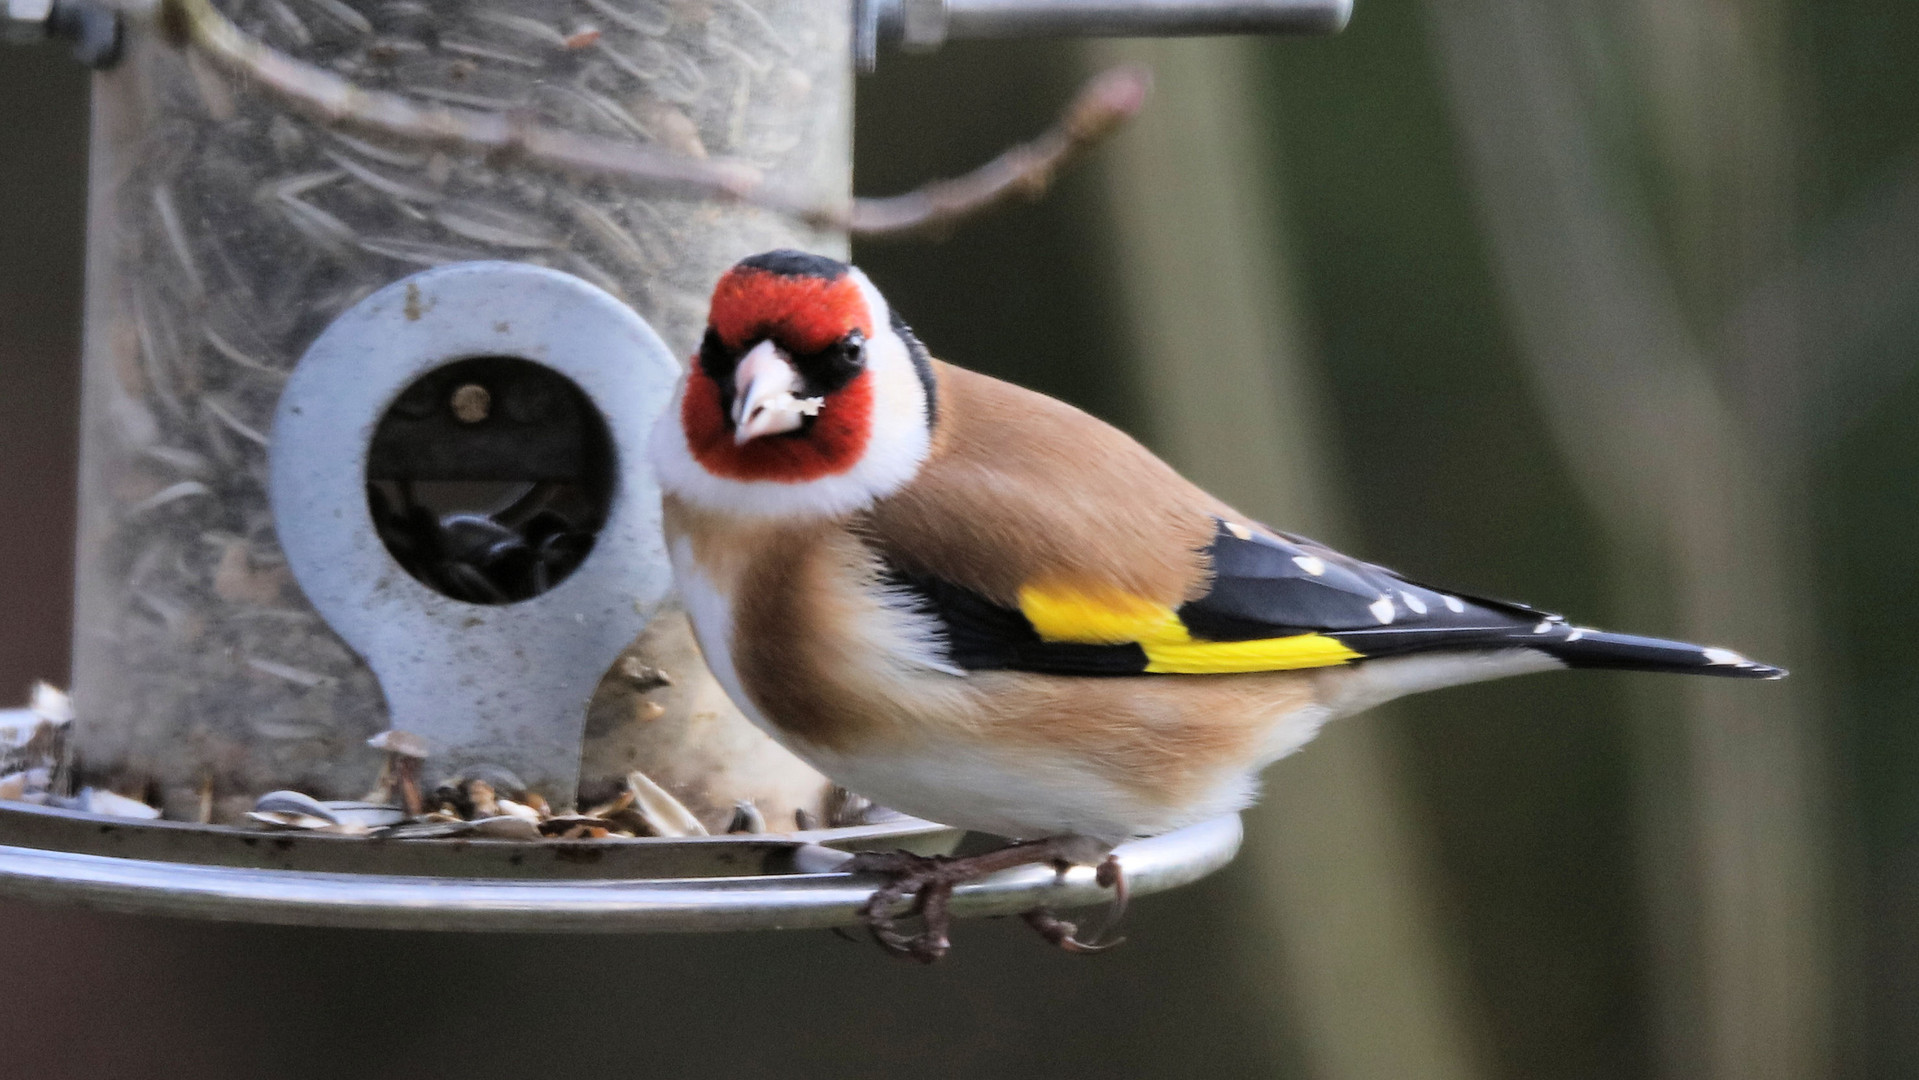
(226, 232)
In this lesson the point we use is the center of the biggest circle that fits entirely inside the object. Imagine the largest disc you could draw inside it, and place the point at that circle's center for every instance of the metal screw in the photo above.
(922, 25)
(27, 19)
(94, 28)
(472, 403)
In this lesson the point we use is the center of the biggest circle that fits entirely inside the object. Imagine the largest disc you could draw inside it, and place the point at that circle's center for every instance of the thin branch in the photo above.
(1024, 171)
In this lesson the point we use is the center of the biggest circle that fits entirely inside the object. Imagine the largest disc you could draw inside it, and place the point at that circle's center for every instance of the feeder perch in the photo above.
(363, 495)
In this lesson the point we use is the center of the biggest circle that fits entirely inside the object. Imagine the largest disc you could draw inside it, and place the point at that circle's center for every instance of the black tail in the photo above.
(1627, 652)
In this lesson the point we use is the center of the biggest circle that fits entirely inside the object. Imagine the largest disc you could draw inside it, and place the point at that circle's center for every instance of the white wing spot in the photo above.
(1239, 530)
(1454, 604)
(1382, 609)
(1544, 626)
(1576, 634)
(1313, 565)
(1725, 656)
(1417, 605)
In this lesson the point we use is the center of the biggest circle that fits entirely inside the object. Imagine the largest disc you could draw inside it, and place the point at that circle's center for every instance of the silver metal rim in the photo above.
(373, 901)
(75, 832)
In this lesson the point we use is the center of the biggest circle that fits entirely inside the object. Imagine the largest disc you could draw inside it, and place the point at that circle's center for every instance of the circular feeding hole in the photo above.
(489, 478)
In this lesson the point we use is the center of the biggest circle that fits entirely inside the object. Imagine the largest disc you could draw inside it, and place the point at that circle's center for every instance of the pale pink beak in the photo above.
(763, 401)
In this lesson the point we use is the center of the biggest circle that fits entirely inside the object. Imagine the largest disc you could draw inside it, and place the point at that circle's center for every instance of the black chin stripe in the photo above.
(922, 366)
(718, 362)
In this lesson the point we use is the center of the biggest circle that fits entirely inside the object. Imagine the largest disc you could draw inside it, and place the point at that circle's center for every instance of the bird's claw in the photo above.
(1063, 933)
(931, 879)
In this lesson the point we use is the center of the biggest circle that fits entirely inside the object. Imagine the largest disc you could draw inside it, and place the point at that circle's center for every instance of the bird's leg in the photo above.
(931, 879)
(1112, 876)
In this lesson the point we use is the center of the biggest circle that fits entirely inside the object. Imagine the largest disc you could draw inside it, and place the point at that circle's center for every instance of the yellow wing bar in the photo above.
(1111, 617)
(1263, 654)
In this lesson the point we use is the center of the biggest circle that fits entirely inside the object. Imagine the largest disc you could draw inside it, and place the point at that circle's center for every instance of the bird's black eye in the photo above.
(834, 366)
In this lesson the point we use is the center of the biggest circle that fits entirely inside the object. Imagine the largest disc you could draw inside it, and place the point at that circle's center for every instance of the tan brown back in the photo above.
(1021, 489)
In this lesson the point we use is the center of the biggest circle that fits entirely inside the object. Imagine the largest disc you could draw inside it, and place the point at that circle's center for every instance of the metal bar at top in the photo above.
(1142, 18)
(919, 25)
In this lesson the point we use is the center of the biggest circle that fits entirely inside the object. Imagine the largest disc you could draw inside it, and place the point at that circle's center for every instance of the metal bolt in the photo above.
(471, 403)
(922, 25)
(27, 19)
(93, 27)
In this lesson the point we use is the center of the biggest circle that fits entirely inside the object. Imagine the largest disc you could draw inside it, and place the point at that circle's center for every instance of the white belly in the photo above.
(1018, 794)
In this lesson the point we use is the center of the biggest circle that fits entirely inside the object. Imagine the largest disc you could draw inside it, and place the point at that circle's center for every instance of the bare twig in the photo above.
(1023, 171)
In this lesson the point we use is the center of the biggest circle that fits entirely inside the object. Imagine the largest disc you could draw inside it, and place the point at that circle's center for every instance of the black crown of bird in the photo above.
(977, 604)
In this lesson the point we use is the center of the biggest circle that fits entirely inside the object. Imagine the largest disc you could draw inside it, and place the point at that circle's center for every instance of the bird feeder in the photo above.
(365, 521)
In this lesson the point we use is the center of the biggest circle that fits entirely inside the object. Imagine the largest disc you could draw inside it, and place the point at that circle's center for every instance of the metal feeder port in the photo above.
(374, 625)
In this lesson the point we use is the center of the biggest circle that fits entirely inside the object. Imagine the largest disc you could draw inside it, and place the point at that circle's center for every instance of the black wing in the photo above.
(1279, 601)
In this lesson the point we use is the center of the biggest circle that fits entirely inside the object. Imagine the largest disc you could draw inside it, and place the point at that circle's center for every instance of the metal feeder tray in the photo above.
(744, 882)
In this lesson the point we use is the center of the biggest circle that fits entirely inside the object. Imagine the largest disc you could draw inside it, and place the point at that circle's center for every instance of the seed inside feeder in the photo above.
(489, 478)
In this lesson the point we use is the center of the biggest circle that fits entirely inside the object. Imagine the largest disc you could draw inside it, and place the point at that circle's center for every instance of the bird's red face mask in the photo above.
(780, 390)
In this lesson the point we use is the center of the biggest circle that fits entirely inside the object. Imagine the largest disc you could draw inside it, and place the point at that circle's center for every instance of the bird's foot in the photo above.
(931, 879)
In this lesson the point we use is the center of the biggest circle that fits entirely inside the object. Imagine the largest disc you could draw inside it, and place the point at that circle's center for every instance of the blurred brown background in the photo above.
(1610, 307)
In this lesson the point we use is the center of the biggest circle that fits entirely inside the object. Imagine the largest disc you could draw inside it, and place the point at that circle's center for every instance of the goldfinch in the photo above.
(979, 605)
